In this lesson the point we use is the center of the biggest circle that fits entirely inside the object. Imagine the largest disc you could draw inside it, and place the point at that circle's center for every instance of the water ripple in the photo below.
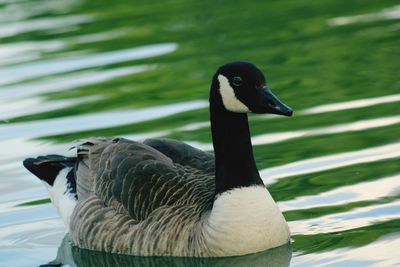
(55, 66)
(38, 104)
(373, 190)
(14, 28)
(271, 175)
(93, 121)
(342, 221)
(359, 103)
(67, 81)
(385, 14)
(334, 129)
(382, 252)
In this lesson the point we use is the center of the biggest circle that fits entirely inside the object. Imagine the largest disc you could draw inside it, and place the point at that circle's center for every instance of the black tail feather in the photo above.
(47, 167)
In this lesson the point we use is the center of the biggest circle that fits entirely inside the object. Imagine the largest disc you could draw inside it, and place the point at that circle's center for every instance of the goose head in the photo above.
(243, 89)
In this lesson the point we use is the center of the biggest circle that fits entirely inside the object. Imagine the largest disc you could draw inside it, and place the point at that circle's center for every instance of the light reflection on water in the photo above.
(144, 73)
(381, 252)
(67, 81)
(45, 68)
(38, 105)
(382, 187)
(29, 51)
(94, 121)
(360, 103)
(334, 129)
(14, 28)
(385, 14)
(332, 161)
(353, 219)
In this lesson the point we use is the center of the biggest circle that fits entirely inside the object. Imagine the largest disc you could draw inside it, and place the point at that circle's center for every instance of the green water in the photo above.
(76, 68)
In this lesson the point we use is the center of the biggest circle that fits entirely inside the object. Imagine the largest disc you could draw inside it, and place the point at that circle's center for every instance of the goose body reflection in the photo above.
(76, 257)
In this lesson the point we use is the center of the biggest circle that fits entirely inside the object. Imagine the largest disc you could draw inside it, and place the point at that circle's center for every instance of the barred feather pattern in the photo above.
(150, 198)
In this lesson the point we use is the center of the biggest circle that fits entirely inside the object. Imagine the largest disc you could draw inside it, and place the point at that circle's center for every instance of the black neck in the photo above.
(234, 162)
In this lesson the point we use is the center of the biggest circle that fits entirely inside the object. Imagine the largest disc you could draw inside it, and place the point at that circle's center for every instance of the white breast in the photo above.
(246, 220)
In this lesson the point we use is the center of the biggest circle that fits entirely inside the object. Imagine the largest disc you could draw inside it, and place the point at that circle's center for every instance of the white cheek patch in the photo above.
(229, 99)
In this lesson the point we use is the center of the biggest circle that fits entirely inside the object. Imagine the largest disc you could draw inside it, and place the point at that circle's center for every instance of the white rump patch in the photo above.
(229, 98)
(246, 220)
(60, 196)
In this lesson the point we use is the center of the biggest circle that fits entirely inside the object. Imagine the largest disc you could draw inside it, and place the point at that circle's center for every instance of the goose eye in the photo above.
(237, 81)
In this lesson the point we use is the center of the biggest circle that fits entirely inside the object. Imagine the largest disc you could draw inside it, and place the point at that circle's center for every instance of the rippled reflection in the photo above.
(385, 14)
(279, 257)
(332, 161)
(56, 66)
(359, 103)
(382, 252)
(98, 120)
(77, 68)
(383, 187)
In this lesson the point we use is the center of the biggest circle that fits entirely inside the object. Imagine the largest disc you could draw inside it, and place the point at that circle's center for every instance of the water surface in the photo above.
(75, 68)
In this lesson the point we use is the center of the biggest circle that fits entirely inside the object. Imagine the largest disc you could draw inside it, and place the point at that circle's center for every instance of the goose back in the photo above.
(135, 197)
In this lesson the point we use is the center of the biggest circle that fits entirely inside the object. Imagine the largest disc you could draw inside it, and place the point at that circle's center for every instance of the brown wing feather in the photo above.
(183, 154)
(137, 179)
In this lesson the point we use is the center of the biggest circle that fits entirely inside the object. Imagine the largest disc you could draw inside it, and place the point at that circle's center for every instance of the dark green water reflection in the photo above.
(279, 257)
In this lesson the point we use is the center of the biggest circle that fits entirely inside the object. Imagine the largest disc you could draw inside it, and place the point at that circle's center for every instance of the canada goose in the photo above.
(164, 197)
